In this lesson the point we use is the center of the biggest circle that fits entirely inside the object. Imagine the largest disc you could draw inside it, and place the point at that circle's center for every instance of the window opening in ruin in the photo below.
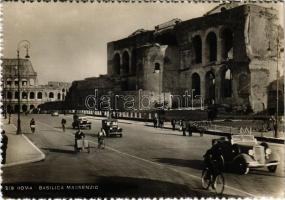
(126, 61)
(197, 44)
(40, 95)
(32, 95)
(211, 50)
(196, 84)
(227, 85)
(58, 96)
(51, 95)
(210, 88)
(227, 44)
(116, 64)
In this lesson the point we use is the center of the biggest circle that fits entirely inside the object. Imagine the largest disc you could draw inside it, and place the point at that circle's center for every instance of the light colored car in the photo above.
(54, 113)
(243, 152)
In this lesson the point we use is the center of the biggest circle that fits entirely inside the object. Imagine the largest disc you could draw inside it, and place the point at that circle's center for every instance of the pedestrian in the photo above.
(161, 122)
(78, 136)
(33, 125)
(155, 122)
(190, 128)
(101, 136)
(4, 146)
(173, 122)
(184, 127)
(63, 122)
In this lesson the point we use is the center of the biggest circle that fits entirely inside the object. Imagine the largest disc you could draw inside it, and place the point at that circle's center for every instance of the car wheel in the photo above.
(272, 168)
(241, 166)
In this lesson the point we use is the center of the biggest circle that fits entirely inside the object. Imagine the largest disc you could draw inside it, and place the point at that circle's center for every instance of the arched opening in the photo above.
(40, 95)
(51, 95)
(211, 48)
(210, 87)
(16, 108)
(9, 95)
(32, 95)
(116, 64)
(24, 108)
(24, 95)
(134, 62)
(227, 44)
(196, 84)
(16, 95)
(126, 61)
(58, 96)
(24, 82)
(32, 107)
(9, 82)
(16, 82)
(197, 45)
(227, 83)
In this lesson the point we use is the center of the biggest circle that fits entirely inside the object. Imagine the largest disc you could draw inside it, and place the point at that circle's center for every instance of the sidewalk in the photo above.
(20, 149)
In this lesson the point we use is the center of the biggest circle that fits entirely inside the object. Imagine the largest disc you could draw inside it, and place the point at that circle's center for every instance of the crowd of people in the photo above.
(183, 125)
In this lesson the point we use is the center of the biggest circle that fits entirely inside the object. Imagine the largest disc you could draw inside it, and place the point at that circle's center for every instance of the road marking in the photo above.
(157, 164)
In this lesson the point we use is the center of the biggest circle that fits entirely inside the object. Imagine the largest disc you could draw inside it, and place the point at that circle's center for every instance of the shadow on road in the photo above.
(108, 186)
(60, 150)
(195, 164)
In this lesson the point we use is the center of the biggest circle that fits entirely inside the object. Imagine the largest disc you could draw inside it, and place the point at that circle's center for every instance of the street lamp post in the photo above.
(277, 87)
(22, 44)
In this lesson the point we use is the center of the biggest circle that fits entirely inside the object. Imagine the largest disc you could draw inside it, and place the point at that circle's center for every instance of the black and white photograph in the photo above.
(142, 99)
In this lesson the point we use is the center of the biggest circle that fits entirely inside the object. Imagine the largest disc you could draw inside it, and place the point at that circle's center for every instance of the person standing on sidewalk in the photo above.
(4, 146)
(184, 127)
(63, 122)
(173, 123)
(33, 125)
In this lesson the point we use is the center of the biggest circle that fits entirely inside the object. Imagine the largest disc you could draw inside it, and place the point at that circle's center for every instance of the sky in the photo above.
(69, 40)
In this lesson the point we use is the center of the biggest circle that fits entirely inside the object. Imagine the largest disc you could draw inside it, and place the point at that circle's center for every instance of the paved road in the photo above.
(144, 162)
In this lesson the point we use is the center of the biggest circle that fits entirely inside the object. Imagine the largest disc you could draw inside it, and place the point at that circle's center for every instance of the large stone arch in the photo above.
(211, 44)
(117, 63)
(197, 45)
(226, 35)
(210, 85)
(196, 83)
(126, 62)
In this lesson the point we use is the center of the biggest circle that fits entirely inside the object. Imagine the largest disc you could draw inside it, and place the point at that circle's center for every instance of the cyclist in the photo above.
(63, 122)
(33, 125)
(101, 136)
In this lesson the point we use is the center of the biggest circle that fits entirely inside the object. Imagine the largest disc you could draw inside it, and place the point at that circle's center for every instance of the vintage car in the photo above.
(241, 153)
(111, 127)
(55, 113)
(81, 122)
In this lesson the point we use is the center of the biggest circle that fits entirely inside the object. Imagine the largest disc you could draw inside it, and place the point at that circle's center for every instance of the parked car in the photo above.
(241, 153)
(111, 127)
(81, 122)
(55, 113)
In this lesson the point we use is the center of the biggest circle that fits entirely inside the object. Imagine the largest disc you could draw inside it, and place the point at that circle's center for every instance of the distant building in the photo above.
(228, 56)
(32, 95)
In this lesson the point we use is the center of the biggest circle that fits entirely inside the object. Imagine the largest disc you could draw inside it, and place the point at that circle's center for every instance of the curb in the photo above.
(40, 158)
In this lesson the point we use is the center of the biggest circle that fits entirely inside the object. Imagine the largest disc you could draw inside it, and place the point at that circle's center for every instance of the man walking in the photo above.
(63, 122)
(4, 142)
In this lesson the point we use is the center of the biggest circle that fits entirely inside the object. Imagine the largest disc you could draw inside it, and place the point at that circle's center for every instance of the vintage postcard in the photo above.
(134, 99)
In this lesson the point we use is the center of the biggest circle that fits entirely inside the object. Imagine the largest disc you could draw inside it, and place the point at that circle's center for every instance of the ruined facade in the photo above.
(32, 95)
(228, 56)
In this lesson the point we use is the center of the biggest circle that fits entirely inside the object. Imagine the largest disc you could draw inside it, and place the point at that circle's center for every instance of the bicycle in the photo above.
(213, 177)
(101, 143)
